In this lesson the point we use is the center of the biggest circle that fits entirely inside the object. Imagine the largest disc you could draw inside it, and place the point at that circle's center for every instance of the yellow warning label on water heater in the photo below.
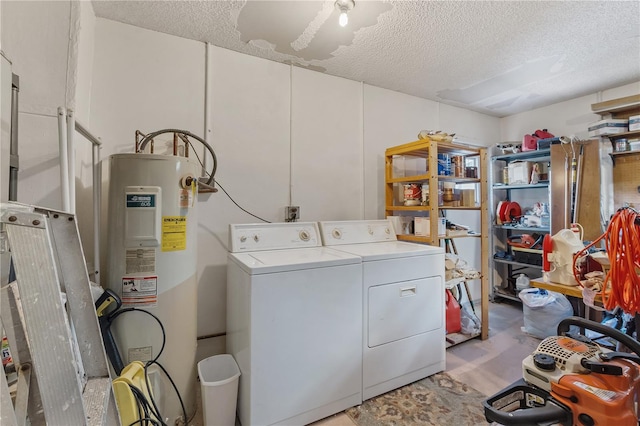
(174, 233)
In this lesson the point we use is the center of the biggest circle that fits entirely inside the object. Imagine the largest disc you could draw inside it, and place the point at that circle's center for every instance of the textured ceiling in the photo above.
(497, 57)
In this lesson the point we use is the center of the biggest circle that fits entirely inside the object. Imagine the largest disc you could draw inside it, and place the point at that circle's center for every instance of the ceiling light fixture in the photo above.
(344, 6)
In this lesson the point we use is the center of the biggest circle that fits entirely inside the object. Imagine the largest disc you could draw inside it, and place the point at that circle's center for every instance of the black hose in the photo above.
(147, 138)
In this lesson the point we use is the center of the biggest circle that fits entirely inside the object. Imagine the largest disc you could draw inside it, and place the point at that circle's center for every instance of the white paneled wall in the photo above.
(390, 118)
(326, 146)
(144, 80)
(250, 135)
(469, 126)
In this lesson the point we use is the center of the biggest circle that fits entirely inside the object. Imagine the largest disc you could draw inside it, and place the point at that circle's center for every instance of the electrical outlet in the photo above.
(292, 213)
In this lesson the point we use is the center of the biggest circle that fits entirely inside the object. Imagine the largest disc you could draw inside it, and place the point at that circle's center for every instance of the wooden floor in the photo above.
(486, 365)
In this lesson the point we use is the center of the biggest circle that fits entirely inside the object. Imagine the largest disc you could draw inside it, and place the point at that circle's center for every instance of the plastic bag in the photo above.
(543, 311)
(469, 322)
(536, 298)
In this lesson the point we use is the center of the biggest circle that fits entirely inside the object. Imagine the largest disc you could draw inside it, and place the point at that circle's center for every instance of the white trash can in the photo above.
(219, 385)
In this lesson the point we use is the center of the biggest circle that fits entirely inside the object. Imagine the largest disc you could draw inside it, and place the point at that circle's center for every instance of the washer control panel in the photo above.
(273, 236)
(356, 231)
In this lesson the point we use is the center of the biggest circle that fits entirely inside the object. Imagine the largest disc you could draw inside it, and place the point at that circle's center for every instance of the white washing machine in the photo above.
(294, 324)
(403, 303)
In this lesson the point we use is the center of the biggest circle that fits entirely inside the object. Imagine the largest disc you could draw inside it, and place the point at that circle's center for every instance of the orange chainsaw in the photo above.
(572, 381)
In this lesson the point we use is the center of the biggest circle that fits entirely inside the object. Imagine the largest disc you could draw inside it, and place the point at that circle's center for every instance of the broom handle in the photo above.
(576, 212)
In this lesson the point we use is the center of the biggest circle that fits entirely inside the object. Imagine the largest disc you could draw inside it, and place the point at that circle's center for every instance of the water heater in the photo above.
(151, 264)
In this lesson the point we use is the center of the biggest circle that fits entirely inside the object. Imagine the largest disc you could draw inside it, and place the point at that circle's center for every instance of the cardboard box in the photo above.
(468, 197)
(519, 172)
(634, 123)
(422, 226)
(609, 126)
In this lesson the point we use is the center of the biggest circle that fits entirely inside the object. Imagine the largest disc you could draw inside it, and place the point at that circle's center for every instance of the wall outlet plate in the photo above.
(292, 213)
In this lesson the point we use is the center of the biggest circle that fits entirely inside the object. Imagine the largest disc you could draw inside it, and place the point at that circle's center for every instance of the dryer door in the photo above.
(403, 309)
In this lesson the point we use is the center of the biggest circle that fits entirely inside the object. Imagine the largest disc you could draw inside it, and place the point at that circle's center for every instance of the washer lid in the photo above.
(389, 250)
(264, 262)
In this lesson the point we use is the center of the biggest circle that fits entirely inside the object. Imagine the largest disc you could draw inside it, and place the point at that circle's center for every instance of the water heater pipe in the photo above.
(208, 89)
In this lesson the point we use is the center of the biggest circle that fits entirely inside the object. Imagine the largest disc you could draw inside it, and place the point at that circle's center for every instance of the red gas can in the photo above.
(452, 310)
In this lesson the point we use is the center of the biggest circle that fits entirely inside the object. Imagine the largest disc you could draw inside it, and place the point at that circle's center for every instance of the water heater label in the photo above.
(140, 291)
(141, 200)
(140, 261)
(174, 233)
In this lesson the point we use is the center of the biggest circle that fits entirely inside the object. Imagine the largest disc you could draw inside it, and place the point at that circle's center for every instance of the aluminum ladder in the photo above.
(57, 348)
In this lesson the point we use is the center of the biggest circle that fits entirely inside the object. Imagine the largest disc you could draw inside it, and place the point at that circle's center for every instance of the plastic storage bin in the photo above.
(219, 385)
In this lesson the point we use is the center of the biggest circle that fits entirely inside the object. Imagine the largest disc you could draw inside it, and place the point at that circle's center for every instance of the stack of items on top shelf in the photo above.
(426, 183)
(625, 146)
(621, 123)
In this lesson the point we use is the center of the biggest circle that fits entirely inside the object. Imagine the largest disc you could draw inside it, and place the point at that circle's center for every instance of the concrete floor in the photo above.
(486, 365)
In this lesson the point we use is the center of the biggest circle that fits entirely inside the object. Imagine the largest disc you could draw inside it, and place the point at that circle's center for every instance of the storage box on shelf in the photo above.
(513, 180)
(463, 188)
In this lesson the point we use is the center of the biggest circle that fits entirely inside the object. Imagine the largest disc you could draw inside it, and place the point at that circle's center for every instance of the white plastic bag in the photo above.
(543, 311)
(537, 298)
(469, 322)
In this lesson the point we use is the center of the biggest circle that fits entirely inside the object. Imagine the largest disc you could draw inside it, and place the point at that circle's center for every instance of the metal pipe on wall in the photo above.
(97, 194)
(67, 125)
(208, 88)
(71, 159)
(64, 159)
(97, 205)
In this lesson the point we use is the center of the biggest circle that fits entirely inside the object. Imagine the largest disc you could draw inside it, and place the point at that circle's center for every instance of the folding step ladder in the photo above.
(63, 376)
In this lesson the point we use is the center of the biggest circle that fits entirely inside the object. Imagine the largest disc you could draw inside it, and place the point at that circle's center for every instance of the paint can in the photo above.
(471, 172)
(412, 194)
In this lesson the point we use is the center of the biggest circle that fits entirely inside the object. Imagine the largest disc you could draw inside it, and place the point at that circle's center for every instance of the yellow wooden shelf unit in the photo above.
(429, 150)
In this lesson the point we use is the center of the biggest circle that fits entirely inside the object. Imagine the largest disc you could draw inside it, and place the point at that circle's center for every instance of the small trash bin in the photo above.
(219, 385)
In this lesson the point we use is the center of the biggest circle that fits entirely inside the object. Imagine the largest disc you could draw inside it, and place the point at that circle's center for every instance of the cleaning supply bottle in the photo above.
(522, 282)
(452, 313)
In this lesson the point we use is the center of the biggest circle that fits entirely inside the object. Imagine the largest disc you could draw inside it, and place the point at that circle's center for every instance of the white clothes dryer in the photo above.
(403, 303)
(294, 324)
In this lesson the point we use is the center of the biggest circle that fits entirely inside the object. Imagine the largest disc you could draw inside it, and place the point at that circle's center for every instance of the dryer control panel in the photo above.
(356, 232)
(273, 236)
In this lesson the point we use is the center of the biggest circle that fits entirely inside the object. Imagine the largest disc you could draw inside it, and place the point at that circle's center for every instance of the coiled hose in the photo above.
(621, 285)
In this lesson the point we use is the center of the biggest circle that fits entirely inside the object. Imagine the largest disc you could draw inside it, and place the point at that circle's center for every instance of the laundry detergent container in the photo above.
(219, 376)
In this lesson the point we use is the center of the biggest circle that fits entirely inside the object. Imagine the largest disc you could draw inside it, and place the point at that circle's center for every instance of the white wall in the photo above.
(326, 146)
(35, 37)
